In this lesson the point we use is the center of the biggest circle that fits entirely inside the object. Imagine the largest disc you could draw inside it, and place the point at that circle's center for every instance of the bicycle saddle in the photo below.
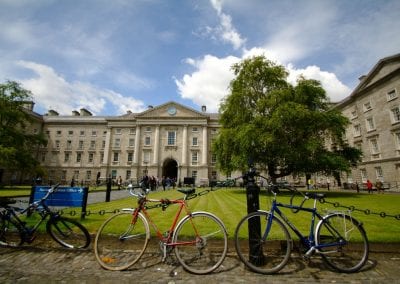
(187, 191)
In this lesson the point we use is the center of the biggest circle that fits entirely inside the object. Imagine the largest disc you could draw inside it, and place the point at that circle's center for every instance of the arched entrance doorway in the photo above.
(170, 168)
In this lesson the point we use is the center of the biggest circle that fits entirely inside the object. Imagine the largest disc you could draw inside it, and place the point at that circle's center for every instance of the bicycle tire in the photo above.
(353, 254)
(206, 242)
(262, 256)
(68, 232)
(119, 242)
(10, 233)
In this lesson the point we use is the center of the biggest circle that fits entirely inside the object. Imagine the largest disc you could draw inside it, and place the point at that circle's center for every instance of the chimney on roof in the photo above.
(362, 77)
(203, 108)
(52, 112)
(75, 113)
(85, 112)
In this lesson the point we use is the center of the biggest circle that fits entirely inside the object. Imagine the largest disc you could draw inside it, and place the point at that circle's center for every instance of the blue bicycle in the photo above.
(264, 244)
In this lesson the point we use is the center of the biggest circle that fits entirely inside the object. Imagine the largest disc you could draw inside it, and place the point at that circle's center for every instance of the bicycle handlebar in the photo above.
(141, 194)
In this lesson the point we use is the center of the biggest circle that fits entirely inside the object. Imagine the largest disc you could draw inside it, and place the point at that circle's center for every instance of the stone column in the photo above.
(184, 146)
(137, 145)
(205, 147)
(156, 145)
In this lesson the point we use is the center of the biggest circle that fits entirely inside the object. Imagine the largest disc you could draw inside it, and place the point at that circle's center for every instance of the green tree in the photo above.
(283, 128)
(17, 143)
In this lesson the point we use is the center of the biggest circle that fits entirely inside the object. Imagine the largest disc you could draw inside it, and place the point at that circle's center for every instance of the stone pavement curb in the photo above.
(34, 264)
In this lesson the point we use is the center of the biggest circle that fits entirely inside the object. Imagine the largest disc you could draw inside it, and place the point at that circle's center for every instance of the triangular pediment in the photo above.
(382, 69)
(170, 110)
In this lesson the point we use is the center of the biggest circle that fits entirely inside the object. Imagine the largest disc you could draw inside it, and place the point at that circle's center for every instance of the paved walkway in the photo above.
(42, 263)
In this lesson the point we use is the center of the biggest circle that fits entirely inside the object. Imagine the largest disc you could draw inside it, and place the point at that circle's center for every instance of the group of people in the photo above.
(378, 186)
(153, 183)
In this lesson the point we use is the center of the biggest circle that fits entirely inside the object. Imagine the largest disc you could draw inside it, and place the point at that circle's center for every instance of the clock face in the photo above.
(171, 110)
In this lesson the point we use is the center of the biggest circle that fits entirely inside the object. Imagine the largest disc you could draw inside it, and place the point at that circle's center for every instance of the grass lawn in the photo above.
(230, 206)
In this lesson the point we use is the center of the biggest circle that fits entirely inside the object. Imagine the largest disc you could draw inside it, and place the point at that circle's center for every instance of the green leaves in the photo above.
(280, 126)
(16, 142)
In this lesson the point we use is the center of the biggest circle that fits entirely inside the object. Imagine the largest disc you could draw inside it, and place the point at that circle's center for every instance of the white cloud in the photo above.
(225, 31)
(209, 83)
(335, 89)
(52, 91)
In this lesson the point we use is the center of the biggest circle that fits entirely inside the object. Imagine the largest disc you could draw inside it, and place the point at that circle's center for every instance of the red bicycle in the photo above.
(199, 239)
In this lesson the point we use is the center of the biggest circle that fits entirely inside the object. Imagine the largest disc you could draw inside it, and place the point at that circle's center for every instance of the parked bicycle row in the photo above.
(199, 240)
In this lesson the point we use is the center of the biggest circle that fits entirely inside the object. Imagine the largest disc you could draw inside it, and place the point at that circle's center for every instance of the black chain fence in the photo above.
(72, 212)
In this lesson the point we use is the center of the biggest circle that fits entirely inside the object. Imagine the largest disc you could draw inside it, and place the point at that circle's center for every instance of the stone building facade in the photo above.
(174, 141)
(374, 112)
(169, 140)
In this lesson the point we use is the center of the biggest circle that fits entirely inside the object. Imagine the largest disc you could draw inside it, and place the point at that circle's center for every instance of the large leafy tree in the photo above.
(17, 143)
(283, 128)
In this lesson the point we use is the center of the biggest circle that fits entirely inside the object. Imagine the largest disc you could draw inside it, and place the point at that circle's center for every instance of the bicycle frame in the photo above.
(307, 240)
(166, 239)
(11, 212)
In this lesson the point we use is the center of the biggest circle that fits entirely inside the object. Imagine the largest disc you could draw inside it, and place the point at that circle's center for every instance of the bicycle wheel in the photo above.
(345, 244)
(10, 235)
(121, 241)
(68, 233)
(263, 254)
(202, 242)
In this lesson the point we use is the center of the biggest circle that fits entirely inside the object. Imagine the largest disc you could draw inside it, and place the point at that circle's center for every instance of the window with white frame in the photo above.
(115, 157)
(82, 133)
(132, 131)
(130, 157)
(131, 142)
(171, 139)
(367, 106)
(78, 157)
(363, 173)
(147, 141)
(194, 175)
(146, 157)
(93, 144)
(195, 157)
(357, 130)
(88, 175)
(94, 133)
(81, 144)
(195, 141)
(69, 144)
(374, 146)
(117, 142)
(395, 114)
(128, 174)
(379, 173)
(90, 158)
(391, 95)
(195, 129)
(354, 113)
(370, 124)
(118, 131)
(66, 157)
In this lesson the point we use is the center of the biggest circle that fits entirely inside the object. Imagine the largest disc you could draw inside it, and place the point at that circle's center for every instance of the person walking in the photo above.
(379, 186)
(369, 186)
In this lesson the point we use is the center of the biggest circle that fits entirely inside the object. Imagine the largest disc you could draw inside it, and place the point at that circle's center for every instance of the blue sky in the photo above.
(113, 56)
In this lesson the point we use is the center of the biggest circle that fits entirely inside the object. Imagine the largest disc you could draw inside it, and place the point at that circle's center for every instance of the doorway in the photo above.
(170, 168)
